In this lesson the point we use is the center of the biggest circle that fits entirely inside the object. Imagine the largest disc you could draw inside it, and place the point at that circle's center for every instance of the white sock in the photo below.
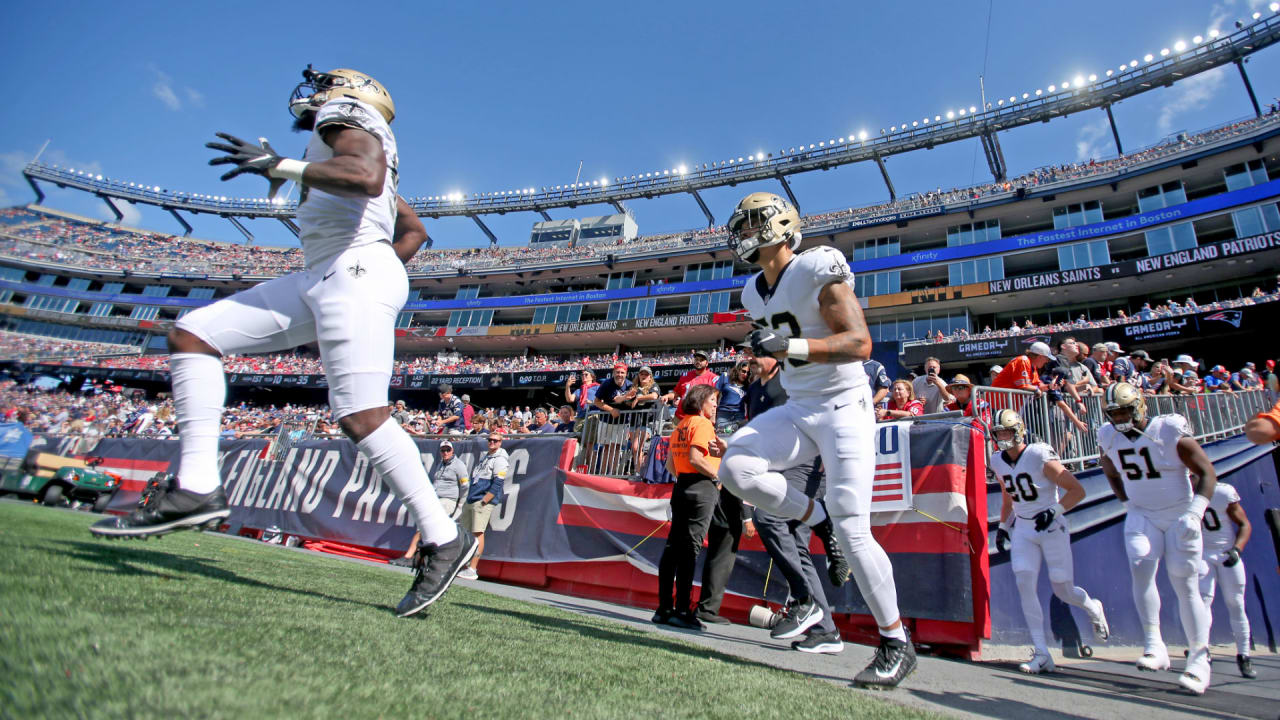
(871, 569)
(396, 458)
(199, 392)
(1032, 610)
(817, 515)
(898, 633)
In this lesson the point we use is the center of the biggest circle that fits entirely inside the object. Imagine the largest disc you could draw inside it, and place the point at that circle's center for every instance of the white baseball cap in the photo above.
(1039, 348)
(997, 368)
(1185, 360)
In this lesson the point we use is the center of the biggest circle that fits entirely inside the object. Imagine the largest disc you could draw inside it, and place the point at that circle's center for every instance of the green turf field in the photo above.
(196, 625)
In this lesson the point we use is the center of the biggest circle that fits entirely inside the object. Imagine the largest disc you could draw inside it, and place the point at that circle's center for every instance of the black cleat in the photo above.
(820, 642)
(837, 567)
(164, 508)
(661, 616)
(685, 620)
(436, 566)
(404, 562)
(1246, 667)
(800, 617)
(894, 661)
(707, 616)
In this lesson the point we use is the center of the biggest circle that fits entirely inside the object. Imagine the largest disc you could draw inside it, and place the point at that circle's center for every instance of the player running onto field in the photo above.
(808, 318)
(1226, 532)
(1030, 477)
(356, 234)
(1148, 462)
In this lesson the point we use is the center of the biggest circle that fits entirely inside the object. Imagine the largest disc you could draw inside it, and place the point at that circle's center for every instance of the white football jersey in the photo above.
(331, 224)
(1025, 480)
(790, 307)
(1219, 531)
(1153, 474)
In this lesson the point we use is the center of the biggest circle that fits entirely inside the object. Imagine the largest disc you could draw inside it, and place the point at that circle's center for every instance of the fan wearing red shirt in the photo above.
(699, 375)
(1023, 372)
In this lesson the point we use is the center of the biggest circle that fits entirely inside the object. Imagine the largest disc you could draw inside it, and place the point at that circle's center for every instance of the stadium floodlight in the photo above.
(972, 109)
(841, 141)
(1179, 46)
(926, 121)
(1000, 102)
(960, 112)
(950, 115)
(1093, 77)
(1257, 15)
(1164, 52)
(915, 123)
(1109, 72)
(862, 135)
(1039, 92)
(1213, 33)
(603, 182)
(1053, 88)
(893, 128)
(1274, 7)
(1148, 57)
(1200, 38)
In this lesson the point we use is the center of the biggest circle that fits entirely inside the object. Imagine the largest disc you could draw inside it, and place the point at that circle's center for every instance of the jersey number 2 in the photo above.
(786, 318)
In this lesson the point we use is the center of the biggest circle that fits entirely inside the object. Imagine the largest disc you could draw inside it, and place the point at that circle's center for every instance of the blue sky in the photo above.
(496, 96)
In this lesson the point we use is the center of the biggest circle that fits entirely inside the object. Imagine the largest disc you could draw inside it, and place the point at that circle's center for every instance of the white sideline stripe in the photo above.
(658, 510)
(946, 506)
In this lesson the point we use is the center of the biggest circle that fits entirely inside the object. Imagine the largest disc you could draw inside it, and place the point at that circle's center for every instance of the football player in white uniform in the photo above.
(1148, 462)
(808, 318)
(356, 234)
(1032, 525)
(1226, 532)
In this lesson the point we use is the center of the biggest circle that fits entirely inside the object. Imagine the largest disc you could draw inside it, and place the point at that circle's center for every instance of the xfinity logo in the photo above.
(924, 256)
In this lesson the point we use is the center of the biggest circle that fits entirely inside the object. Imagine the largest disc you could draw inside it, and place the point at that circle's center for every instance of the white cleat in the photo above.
(1154, 660)
(1098, 616)
(1039, 663)
(1194, 682)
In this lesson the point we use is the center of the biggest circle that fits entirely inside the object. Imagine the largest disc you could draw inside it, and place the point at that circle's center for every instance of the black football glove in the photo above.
(1002, 540)
(1233, 557)
(248, 158)
(766, 342)
(1044, 519)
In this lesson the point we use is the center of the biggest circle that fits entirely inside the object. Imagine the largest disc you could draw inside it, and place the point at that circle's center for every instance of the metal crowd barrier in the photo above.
(616, 447)
(1071, 428)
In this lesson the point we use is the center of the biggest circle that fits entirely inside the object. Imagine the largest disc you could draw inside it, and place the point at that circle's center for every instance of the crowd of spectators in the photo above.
(30, 235)
(1169, 308)
(40, 348)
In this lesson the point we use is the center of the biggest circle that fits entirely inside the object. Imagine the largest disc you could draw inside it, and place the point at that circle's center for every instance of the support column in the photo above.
(114, 210)
(248, 236)
(186, 226)
(617, 205)
(1257, 110)
(1115, 133)
(39, 193)
(544, 215)
(290, 225)
(711, 219)
(786, 187)
(884, 173)
(493, 239)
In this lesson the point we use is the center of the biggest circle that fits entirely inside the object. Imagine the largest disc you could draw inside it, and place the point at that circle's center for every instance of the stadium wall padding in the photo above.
(605, 540)
(1102, 569)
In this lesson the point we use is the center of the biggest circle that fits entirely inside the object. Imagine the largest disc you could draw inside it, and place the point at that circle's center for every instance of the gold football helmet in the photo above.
(1008, 420)
(762, 219)
(1121, 396)
(318, 88)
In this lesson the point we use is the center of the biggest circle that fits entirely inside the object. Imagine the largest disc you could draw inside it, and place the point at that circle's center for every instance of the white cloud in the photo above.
(163, 89)
(172, 96)
(1093, 141)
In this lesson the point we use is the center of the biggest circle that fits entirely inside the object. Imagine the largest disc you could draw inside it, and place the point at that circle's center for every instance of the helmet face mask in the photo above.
(1008, 421)
(762, 220)
(1126, 401)
(318, 88)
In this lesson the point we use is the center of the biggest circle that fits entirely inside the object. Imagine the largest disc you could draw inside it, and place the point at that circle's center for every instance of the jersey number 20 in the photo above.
(1021, 489)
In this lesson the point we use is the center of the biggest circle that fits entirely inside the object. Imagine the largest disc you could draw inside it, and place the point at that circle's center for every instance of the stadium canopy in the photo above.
(1081, 94)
